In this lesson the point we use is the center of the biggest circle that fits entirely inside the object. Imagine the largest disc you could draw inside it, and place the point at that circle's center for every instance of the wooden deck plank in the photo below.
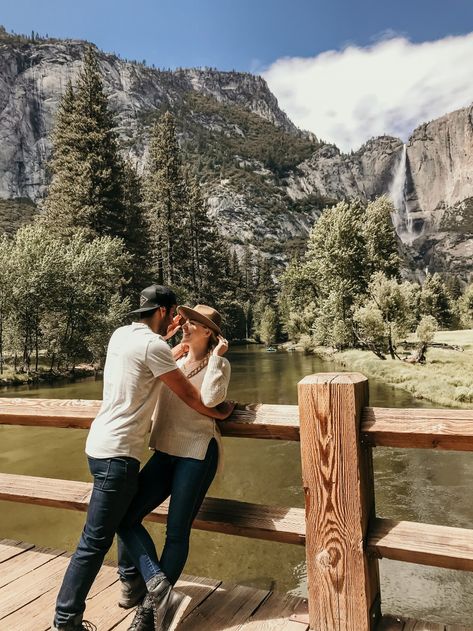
(276, 422)
(31, 586)
(197, 588)
(274, 614)
(228, 607)
(427, 544)
(11, 548)
(38, 614)
(22, 564)
(286, 525)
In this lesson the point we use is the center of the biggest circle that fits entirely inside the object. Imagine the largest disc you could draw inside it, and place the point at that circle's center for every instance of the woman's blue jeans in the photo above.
(115, 484)
(186, 480)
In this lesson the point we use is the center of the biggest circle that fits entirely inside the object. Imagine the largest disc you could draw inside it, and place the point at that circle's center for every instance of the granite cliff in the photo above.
(266, 180)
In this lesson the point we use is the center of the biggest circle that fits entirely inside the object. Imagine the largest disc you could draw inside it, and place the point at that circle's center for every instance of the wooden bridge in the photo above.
(342, 535)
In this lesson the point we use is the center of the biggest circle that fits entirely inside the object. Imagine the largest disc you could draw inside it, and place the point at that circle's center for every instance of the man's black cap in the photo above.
(155, 296)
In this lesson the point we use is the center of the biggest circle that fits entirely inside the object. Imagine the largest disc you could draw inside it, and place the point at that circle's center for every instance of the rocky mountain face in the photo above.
(266, 181)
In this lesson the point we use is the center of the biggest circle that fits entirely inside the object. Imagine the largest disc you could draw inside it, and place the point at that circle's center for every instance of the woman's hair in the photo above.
(213, 341)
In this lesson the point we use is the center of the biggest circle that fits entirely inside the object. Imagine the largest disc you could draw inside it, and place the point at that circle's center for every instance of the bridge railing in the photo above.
(342, 535)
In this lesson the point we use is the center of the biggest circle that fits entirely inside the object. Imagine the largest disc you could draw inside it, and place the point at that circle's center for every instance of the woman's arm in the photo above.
(216, 379)
(185, 390)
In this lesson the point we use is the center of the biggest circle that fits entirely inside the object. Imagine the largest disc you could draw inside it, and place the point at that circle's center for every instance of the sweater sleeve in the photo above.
(215, 384)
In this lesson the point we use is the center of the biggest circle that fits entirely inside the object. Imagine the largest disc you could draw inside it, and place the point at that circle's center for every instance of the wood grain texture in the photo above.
(286, 525)
(10, 548)
(337, 475)
(427, 544)
(418, 428)
(275, 422)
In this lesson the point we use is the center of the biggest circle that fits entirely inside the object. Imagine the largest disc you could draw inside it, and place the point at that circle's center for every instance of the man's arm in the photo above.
(185, 390)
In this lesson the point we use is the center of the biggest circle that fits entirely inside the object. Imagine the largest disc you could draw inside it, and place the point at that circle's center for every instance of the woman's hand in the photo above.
(173, 328)
(222, 346)
(225, 409)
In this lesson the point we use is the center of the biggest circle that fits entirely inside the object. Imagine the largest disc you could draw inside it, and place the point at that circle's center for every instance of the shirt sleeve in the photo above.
(215, 383)
(159, 358)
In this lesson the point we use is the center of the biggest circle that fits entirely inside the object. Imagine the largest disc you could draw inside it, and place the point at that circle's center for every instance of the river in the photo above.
(419, 485)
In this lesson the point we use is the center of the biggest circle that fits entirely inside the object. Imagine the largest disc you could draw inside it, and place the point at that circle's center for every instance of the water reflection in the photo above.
(420, 485)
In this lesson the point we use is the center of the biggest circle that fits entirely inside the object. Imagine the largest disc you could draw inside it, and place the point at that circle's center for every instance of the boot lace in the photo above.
(88, 626)
(142, 617)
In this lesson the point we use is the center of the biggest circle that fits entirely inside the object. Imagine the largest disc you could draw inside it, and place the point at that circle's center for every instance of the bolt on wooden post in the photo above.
(337, 475)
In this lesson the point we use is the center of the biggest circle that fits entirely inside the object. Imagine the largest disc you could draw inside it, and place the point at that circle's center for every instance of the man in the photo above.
(138, 362)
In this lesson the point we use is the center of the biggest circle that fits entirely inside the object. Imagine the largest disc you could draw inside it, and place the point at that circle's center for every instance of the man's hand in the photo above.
(224, 410)
(222, 346)
(180, 350)
(173, 328)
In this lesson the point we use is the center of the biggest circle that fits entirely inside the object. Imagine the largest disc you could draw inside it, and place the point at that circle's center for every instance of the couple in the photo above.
(143, 381)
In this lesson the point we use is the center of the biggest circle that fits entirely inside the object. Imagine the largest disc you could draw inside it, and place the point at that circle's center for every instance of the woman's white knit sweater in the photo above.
(179, 430)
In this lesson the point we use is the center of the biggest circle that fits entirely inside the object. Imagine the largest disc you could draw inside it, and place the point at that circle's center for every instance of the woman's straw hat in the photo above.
(203, 314)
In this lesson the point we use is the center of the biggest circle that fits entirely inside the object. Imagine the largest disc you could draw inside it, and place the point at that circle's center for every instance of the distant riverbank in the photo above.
(12, 378)
(446, 378)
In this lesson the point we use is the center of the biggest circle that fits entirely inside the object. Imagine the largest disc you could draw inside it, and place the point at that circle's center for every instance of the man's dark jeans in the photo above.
(186, 480)
(115, 484)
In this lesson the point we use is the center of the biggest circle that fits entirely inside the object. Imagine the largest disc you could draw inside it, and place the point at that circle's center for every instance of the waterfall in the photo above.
(397, 192)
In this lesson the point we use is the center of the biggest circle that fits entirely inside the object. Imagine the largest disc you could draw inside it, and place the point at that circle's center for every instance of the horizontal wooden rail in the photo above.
(418, 428)
(250, 421)
(440, 546)
(381, 427)
(286, 525)
(428, 544)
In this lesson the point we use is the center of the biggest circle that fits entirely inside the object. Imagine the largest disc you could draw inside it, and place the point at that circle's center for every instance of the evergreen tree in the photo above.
(136, 233)
(86, 189)
(206, 249)
(165, 200)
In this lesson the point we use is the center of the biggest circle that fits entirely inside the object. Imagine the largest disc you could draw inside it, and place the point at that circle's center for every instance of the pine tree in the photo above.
(165, 200)
(86, 189)
(136, 230)
(206, 249)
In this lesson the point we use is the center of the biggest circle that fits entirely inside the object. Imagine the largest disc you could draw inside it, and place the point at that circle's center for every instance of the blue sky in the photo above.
(239, 34)
(391, 65)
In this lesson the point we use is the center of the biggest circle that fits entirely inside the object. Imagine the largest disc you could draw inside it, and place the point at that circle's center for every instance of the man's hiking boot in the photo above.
(133, 590)
(143, 620)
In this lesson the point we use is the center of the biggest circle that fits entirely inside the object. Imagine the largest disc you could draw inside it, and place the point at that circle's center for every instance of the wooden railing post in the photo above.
(337, 476)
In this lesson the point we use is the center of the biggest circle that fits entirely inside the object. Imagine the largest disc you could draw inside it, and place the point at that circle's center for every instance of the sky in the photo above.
(346, 70)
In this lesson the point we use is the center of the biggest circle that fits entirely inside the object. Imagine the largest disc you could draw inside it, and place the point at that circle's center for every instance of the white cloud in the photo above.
(348, 96)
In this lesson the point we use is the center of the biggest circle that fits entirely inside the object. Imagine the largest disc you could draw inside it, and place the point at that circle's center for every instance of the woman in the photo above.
(187, 451)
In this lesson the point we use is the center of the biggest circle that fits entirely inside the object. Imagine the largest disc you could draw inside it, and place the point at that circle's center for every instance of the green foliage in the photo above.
(268, 326)
(385, 315)
(435, 301)
(61, 296)
(86, 189)
(380, 239)
(466, 307)
(426, 329)
(166, 201)
(92, 188)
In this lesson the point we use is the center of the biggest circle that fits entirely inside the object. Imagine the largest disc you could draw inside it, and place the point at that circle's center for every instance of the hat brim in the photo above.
(143, 310)
(191, 314)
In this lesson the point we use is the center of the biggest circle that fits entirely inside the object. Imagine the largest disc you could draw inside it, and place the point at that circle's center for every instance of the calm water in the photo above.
(410, 484)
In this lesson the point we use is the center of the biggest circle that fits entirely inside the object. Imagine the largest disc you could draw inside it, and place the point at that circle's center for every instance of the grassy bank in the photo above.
(446, 379)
